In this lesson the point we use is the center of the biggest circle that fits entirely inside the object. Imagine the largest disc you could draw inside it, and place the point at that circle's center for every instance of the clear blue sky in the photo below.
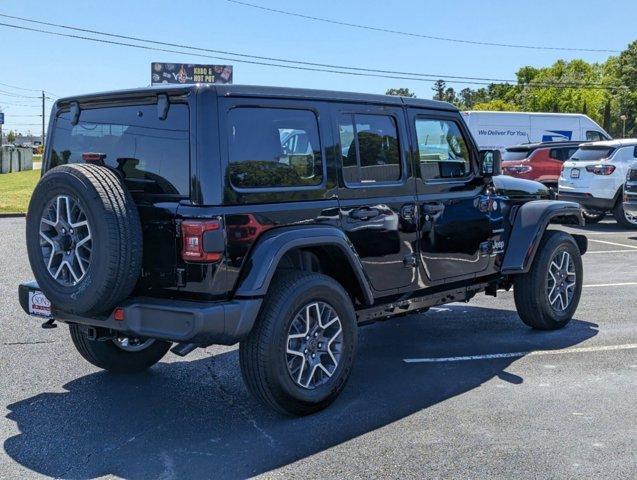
(66, 66)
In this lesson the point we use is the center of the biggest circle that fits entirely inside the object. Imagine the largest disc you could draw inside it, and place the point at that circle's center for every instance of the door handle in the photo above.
(364, 213)
(433, 208)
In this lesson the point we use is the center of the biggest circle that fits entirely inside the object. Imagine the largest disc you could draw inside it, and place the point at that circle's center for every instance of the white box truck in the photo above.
(499, 130)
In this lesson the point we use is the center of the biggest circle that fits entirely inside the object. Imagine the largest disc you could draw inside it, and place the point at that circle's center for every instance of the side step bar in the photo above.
(411, 305)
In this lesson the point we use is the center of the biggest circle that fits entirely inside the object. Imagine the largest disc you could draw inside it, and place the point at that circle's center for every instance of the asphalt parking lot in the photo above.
(464, 391)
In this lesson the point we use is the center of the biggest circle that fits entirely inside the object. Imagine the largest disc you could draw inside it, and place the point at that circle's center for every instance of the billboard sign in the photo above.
(1, 118)
(186, 73)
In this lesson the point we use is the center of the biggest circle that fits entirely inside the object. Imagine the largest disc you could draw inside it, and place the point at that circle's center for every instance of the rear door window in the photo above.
(369, 148)
(273, 148)
(152, 155)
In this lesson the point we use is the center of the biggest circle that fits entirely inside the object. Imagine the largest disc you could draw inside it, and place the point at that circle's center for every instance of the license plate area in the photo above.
(575, 173)
(39, 305)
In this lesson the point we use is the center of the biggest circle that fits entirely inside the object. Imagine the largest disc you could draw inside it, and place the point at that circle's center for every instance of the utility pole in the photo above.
(623, 119)
(43, 109)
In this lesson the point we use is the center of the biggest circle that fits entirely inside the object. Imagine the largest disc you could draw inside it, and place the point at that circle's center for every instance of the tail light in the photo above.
(520, 168)
(202, 240)
(600, 169)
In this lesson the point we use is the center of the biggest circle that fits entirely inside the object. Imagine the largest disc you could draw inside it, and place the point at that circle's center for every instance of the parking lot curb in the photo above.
(12, 215)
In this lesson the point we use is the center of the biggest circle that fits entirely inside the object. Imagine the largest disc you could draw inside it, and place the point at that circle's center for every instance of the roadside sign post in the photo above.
(1, 123)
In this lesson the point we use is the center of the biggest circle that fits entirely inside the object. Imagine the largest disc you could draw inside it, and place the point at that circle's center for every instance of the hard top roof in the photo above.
(620, 142)
(262, 91)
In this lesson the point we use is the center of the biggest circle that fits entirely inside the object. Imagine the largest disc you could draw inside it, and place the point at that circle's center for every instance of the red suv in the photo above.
(541, 162)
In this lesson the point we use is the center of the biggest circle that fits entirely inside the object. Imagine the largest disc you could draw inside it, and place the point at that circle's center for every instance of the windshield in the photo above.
(515, 155)
(592, 154)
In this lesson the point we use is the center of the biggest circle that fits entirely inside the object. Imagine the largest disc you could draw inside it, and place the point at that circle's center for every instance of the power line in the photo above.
(11, 94)
(20, 88)
(258, 57)
(419, 35)
(368, 72)
(294, 64)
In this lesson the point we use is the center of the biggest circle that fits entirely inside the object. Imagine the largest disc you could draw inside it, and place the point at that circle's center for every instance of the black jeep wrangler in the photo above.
(281, 219)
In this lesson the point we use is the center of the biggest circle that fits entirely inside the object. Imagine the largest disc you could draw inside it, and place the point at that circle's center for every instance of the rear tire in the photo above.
(623, 218)
(535, 300)
(107, 355)
(269, 353)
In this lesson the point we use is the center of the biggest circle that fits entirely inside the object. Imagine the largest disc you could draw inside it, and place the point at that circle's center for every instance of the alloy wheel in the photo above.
(314, 345)
(562, 279)
(133, 344)
(65, 240)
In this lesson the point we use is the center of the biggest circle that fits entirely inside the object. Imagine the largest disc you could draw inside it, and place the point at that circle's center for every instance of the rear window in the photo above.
(592, 154)
(152, 155)
(513, 155)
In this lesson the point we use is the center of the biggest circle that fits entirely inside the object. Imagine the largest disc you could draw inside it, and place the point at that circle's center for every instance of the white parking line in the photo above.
(610, 251)
(612, 243)
(624, 284)
(491, 356)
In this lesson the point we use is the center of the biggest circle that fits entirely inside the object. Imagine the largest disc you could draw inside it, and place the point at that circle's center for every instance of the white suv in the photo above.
(594, 177)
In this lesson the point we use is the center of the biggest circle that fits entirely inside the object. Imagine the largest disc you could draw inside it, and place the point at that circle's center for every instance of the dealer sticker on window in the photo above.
(39, 304)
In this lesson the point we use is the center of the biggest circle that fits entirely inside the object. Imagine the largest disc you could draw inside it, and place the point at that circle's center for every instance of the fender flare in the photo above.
(529, 226)
(274, 244)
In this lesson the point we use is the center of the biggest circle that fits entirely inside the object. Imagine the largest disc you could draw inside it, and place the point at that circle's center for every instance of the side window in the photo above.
(151, 155)
(442, 149)
(369, 148)
(273, 147)
(594, 136)
(562, 154)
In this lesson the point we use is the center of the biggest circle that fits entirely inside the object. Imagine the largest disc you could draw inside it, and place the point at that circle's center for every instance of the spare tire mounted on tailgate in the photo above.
(84, 238)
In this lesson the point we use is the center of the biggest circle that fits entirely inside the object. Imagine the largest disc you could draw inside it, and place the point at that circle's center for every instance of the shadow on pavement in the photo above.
(195, 418)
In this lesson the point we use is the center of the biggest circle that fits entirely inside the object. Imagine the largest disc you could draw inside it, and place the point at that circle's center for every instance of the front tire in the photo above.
(120, 355)
(300, 353)
(625, 219)
(547, 296)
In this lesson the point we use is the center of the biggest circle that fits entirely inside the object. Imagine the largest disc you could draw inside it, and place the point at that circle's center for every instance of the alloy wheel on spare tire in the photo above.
(84, 238)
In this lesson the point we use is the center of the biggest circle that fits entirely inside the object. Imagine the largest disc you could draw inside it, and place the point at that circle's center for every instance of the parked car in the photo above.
(499, 130)
(630, 191)
(187, 216)
(594, 177)
(541, 162)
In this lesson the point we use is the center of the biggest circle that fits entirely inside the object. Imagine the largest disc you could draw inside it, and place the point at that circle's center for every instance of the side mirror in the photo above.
(490, 163)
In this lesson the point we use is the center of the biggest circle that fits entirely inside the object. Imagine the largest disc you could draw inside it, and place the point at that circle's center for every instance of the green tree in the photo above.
(11, 136)
(496, 105)
(400, 92)
(439, 88)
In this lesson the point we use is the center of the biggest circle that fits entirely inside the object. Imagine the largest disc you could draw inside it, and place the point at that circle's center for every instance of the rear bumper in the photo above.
(201, 323)
(586, 200)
